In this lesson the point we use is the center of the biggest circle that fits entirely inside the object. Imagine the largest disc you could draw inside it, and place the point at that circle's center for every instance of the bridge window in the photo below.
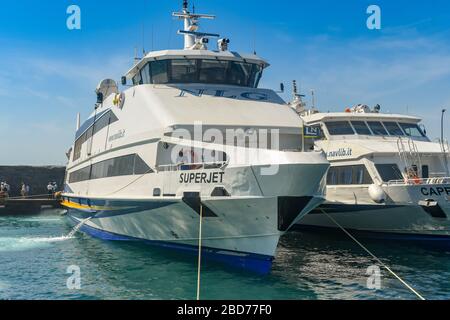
(200, 71)
(393, 128)
(348, 175)
(339, 128)
(213, 71)
(412, 130)
(389, 172)
(159, 72)
(184, 71)
(145, 74)
(361, 128)
(377, 128)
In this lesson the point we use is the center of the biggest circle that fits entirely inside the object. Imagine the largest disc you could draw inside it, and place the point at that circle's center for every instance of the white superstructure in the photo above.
(386, 177)
(194, 135)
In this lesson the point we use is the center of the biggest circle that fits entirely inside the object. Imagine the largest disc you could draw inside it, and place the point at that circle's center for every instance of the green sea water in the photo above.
(35, 257)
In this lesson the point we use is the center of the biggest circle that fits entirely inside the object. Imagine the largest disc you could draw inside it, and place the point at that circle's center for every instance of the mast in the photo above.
(193, 40)
(297, 103)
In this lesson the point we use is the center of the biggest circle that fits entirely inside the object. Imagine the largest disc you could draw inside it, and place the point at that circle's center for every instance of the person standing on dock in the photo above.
(23, 190)
(4, 190)
(50, 190)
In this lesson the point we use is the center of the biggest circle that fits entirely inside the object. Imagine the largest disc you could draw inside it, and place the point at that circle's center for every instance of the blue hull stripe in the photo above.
(256, 263)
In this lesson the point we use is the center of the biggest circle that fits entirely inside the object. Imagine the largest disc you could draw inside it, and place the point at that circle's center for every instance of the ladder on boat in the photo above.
(410, 156)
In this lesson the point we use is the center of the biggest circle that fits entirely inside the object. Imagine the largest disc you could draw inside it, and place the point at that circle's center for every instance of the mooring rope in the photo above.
(199, 252)
(375, 257)
(129, 184)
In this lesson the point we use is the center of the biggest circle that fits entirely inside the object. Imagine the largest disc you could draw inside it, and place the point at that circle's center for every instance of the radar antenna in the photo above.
(297, 103)
(193, 39)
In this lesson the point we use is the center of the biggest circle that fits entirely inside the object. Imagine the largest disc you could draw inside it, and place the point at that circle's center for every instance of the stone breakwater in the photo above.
(36, 177)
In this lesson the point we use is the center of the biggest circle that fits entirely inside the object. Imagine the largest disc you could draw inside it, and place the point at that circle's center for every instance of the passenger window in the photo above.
(425, 172)
(140, 167)
(345, 175)
(332, 179)
(389, 172)
(349, 175)
(361, 128)
(121, 166)
(339, 128)
(377, 128)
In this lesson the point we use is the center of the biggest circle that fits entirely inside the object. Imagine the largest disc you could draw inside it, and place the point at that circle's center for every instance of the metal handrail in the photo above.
(198, 166)
(418, 181)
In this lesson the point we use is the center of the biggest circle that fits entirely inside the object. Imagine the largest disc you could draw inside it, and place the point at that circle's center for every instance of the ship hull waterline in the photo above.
(174, 225)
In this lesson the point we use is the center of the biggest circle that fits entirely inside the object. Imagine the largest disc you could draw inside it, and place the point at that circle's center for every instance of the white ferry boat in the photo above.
(387, 179)
(193, 136)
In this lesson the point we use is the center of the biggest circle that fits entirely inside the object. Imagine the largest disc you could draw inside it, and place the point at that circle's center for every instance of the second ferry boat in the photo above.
(193, 136)
(387, 179)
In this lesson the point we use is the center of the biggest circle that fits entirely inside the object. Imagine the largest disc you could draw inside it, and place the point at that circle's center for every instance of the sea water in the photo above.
(38, 260)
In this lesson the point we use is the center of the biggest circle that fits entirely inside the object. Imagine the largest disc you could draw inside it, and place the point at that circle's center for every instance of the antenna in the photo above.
(294, 89)
(143, 39)
(193, 40)
(153, 35)
(254, 41)
(313, 97)
(136, 57)
(297, 103)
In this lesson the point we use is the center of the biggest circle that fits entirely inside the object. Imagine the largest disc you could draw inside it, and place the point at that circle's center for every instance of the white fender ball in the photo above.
(377, 194)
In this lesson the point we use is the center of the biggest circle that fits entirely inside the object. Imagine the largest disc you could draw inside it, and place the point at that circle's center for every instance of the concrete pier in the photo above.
(27, 206)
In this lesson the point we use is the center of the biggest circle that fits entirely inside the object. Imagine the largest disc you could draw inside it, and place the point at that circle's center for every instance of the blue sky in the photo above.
(48, 74)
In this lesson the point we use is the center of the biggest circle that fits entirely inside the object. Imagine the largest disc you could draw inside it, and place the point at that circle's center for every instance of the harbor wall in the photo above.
(36, 177)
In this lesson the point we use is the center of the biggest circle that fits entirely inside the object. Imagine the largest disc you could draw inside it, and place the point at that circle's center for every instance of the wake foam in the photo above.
(28, 243)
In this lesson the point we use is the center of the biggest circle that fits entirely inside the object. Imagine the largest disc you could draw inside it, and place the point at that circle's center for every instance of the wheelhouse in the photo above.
(374, 128)
(198, 67)
(366, 148)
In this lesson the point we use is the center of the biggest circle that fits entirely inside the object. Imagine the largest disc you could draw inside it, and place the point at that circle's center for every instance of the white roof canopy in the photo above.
(343, 116)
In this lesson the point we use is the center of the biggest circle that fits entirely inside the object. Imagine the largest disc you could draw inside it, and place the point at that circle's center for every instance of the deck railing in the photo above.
(191, 166)
(427, 181)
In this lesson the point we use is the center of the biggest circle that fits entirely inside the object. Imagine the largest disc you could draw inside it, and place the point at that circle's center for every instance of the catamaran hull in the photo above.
(402, 222)
(242, 233)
